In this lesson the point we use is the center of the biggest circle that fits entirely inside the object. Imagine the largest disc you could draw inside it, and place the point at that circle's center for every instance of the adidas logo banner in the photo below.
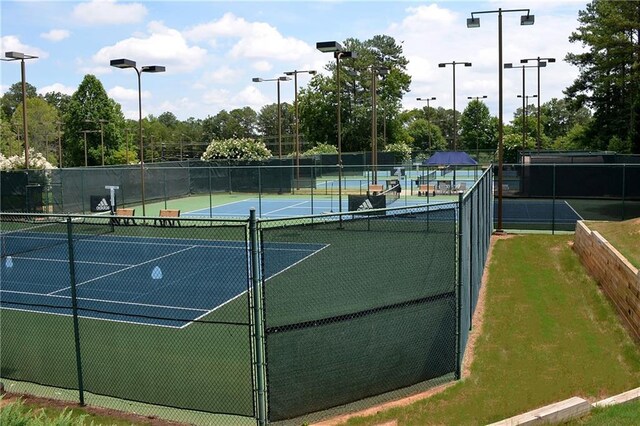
(100, 203)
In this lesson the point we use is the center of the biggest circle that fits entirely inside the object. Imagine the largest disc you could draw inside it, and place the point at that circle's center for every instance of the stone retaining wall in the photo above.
(618, 278)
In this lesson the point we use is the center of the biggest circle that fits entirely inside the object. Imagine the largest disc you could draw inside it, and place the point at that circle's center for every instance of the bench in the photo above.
(168, 217)
(124, 217)
(375, 189)
(426, 189)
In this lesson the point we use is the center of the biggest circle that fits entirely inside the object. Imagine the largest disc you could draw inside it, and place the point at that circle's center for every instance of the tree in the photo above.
(238, 123)
(425, 135)
(58, 100)
(318, 102)
(90, 105)
(609, 79)
(558, 118)
(478, 130)
(267, 124)
(13, 97)
(42, 128)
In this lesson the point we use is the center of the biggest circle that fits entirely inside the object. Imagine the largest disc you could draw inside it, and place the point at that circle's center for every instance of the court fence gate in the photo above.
(252, 320)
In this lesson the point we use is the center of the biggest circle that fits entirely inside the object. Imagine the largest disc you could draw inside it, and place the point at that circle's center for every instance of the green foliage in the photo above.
(609, 79)
(321, 148)
(478, 130)
(42, 128)
(400, 150)
(619, 146)
(18, 414)
(13, 97)
(236, 149)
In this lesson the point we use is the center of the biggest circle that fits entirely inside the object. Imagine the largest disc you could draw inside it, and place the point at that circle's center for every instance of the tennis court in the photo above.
(153, 281)
(538, 211)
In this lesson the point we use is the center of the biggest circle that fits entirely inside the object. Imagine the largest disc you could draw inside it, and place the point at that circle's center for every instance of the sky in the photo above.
(213, 49)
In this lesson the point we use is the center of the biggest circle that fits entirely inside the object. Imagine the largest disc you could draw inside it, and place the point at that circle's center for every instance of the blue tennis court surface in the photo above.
(154, 281)
(273, 208)
(537, 211)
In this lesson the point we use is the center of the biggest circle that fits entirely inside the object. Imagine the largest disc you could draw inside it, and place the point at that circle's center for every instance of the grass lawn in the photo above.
(549, 334)
(623, 236)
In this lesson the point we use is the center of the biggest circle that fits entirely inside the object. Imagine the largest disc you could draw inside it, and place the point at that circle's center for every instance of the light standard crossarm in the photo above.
(18, 56)
(455, 122)
(474, 22)
(295, 73)
(128, 63)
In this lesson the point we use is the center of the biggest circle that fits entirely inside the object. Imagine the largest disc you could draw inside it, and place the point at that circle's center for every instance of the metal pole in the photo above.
(455, 123)
(295, 100)
(86, 160)
(102, 139)
(339, 139)
(524, 115)
(500, 124)
(24, 114)
(74, 308)
(279, 124)
(140, 141)
(374, 129)
(538, 142)
(256, 288)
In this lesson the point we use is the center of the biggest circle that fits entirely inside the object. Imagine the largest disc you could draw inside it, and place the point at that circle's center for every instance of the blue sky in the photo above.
(212, 49)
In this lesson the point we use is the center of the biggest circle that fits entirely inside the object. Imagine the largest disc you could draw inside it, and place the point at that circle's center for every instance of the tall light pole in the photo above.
(474, 22)
(59, 124)
(477, 98)
(427, 100)
(128, 63)
(375, 72)
(295, 73)
(525, 100)
(18, 56)
(101, 121)
(539, 61)
(524, 67)
(277, 80)
(338, 53)
(86, 157)
(455, 121)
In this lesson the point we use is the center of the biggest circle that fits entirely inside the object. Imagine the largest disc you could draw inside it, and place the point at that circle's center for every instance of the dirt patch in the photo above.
(478, 320)
(137, 419)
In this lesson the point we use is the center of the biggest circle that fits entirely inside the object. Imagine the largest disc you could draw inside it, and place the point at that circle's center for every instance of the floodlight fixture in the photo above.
(329, 46)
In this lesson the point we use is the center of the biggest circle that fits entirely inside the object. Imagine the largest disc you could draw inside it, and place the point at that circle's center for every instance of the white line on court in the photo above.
(125, 269)
(580, 217)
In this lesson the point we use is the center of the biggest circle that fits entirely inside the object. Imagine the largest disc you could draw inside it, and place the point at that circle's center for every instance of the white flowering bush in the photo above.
(36, 161)
(400, 150)
(236, 149)
(321, 148)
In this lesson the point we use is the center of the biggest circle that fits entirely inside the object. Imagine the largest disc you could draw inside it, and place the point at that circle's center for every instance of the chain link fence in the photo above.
(258, 320)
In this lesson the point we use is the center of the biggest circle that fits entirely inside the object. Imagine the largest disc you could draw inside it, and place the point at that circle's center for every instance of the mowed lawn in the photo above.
(623, 236)
(548, 334)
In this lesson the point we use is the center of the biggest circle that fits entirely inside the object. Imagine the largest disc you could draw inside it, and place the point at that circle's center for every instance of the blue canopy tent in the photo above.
(450, 159)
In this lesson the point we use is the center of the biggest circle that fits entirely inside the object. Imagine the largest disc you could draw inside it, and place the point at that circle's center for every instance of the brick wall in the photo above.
(619, 279)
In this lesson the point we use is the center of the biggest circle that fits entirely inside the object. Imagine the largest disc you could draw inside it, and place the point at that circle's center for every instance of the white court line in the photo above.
(39, 259)
(574, 210)
(122, 270)
(287, 207)
(208, 209)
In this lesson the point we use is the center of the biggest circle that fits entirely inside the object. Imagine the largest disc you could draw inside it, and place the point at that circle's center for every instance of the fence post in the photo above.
(74, 308)
(458, 373)
(256, 290)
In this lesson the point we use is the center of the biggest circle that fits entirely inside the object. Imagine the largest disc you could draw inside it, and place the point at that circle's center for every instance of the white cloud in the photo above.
(262, 66)
(257, 40)
(161, 46)
(109, 12)
(120, 93)
(55, 35)
(12, 43)
(57, 87)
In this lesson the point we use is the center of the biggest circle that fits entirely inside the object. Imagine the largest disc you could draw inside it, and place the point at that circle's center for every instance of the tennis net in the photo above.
(23, 234)
(391, 194)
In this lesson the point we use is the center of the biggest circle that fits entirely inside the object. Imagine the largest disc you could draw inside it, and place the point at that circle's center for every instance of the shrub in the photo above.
(321, 148)
(400, 150)
(15, 162)
(236, 149)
